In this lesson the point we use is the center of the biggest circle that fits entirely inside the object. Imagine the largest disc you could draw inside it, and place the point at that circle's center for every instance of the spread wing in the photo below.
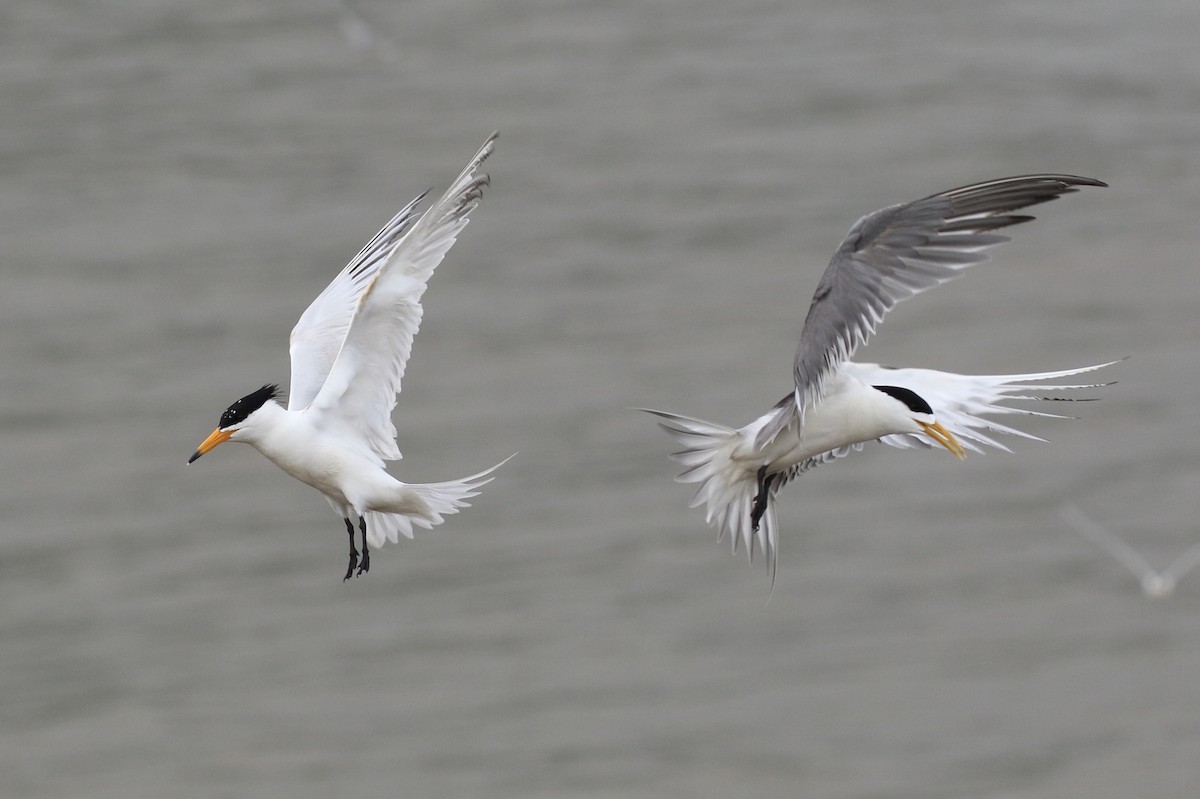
(808, 464)
(318, 335)
(899, 251)
(970, 406)
(961, 404)
(359, 393)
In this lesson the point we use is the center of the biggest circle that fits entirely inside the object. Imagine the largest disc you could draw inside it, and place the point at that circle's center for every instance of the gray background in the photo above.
(179, 179)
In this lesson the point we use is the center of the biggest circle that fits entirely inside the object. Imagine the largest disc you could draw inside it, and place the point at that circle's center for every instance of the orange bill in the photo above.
(939, 434)
(218, 436)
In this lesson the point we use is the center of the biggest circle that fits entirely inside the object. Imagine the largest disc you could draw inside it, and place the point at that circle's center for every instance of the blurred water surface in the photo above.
(180, 179)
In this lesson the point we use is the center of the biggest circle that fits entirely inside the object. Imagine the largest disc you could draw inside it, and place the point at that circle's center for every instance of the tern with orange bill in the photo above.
(348, 355)
(837, 405)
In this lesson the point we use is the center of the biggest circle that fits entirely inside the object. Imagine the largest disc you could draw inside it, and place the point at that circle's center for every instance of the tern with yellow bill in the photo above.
(348, 354)
(838, 405)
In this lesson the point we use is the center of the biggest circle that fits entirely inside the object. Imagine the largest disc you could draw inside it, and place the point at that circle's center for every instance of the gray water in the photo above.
(179, 179)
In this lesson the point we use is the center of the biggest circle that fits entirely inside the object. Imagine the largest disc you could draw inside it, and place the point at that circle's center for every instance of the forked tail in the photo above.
(738, 502)
(444, 499)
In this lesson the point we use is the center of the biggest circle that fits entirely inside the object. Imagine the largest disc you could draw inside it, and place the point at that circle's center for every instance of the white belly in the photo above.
(851, 412)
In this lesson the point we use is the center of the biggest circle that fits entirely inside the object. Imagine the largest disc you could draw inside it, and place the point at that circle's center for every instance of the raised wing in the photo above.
(360, 391)
(1184, 563)
(318, 335)
(899, 251)
(1126, 555)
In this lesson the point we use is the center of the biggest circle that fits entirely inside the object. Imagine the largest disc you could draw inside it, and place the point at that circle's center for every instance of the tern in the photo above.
(838, 405)
(1155, 584)
(348, 355)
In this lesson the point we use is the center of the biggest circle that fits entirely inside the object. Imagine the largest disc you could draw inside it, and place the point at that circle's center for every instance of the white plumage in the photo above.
(348, 354)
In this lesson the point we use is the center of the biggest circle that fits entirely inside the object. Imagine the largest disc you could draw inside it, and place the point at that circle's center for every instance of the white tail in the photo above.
(727, 488)
(444, 499)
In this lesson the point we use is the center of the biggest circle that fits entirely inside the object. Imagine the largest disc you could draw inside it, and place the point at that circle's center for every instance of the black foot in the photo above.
(365, 566)
(353, 552)
(761, 499)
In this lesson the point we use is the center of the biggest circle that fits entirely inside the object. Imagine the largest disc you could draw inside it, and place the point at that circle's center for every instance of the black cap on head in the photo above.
(910, 398)
(238, 411)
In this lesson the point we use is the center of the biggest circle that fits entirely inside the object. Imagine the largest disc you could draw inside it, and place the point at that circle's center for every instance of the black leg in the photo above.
(365, 566)
(761, 499)
(353, 551)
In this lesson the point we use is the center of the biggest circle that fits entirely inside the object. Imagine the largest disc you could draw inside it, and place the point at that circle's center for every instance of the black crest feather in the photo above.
(915, 402)
(238, 411)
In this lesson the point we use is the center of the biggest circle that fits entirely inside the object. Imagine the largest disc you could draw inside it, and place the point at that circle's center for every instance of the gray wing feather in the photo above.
(816, 460)
(899, 251)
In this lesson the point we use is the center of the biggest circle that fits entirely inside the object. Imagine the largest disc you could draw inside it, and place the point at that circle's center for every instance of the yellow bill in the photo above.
(939, 434)
(218, 436)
